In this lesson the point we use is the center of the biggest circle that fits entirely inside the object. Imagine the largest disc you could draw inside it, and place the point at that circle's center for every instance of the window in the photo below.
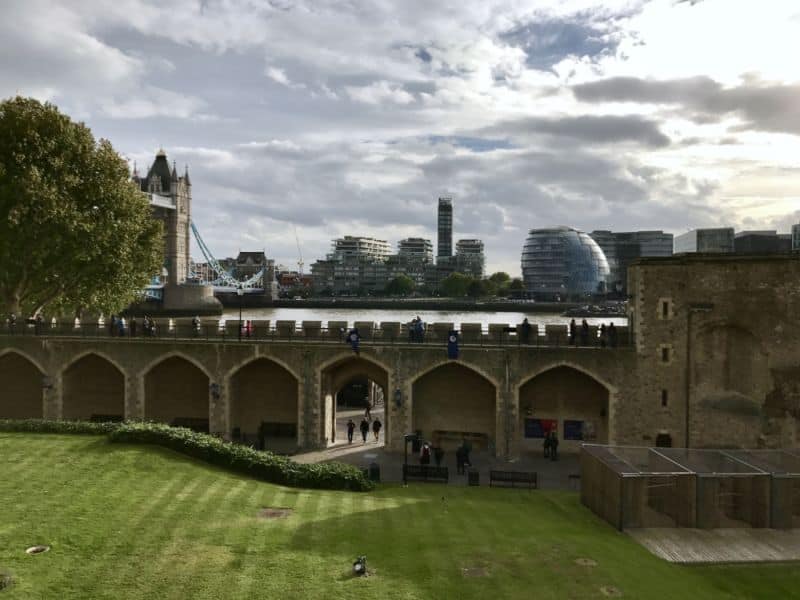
(664, 354)
(664, 309)
(664, 398)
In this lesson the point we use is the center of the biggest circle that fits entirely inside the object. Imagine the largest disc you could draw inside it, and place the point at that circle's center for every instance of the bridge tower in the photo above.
(171, 199)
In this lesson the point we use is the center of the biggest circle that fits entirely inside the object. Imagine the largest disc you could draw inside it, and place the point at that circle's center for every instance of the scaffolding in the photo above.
(633, 487)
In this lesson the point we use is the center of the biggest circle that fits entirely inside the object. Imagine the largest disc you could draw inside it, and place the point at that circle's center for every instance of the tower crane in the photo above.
(300, 262)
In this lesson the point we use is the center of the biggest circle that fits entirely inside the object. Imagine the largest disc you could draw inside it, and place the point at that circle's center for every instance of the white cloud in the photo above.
(379, 92)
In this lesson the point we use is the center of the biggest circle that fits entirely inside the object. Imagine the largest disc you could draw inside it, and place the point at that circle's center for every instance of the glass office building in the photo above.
(563, 262)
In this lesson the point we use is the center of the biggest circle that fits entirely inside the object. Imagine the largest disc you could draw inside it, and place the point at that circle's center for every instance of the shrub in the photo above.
(243, 459)
(44, 426)
(265, 466)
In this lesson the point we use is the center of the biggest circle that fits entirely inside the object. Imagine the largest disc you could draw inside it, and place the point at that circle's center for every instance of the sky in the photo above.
(351, 117)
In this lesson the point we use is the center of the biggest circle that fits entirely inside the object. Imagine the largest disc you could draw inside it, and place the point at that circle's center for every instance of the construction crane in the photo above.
(300, 262)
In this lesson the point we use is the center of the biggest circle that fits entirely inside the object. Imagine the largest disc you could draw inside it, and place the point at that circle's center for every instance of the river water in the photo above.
(403, 316)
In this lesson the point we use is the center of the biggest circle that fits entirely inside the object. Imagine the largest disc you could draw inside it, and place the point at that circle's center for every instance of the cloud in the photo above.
(761, 106)
(379, 92)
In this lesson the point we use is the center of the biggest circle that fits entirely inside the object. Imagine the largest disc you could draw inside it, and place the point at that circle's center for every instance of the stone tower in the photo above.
(171, 199)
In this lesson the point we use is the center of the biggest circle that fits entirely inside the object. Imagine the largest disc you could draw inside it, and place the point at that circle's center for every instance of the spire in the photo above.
(135, 172)
(186, 176)
(174, 171)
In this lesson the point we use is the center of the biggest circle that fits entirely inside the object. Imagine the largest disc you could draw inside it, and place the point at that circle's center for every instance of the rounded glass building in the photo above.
(563, 262)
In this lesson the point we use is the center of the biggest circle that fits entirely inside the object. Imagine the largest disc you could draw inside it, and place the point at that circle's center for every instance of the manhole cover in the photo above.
(37, 549)
(475, 572)
(609, 591)
(586, 562)
(274, 513)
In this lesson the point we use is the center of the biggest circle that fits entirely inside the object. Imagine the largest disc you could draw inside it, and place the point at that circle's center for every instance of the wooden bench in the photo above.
(430, 473)
(513, 477)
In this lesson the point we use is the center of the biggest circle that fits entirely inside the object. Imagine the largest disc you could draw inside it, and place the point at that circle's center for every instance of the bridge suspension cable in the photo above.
(224, 277)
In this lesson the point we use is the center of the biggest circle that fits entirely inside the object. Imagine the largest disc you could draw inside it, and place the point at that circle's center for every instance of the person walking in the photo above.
(525, 332)
(572, 332)
(602, 335)
(425, 454)
(368, 410)
(364, 427)
(376, 427)
(121, 327)
(547, 445)
(584, 333)
(612, 336)
(112, 326)
(553, 445)
(195, 326)
(351, 427)
(438, 455)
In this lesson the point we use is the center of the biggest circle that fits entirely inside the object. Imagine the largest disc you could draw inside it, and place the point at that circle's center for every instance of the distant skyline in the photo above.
(353, 118)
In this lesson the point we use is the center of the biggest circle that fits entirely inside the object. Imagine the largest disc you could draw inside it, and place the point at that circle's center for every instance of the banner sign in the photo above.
(573, 430)
(537, 428)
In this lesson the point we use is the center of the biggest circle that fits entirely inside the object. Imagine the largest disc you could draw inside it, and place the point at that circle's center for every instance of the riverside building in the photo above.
(719, 240)
(621, 248)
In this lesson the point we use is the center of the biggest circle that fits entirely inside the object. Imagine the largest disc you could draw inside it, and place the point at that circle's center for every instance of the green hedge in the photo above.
(265, 466)
(43, 426)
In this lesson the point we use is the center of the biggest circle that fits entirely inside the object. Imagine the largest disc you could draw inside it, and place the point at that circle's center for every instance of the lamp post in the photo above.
(240, 293)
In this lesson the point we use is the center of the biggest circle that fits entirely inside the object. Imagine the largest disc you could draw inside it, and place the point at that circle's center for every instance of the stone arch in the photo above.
(470, 366)
(93, 388)
(23, 392)
(176, 391)
(263, 404)
(452, 398)
(341, 369)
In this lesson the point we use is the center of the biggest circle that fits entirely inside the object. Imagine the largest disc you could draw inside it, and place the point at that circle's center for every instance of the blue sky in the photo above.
(352, 117)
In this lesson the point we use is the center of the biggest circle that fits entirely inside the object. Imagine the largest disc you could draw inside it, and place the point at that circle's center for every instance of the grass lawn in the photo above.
(139, 522)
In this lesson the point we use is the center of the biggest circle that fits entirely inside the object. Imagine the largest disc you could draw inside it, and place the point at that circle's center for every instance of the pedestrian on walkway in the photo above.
(612, 336)
(602, 335)
(364, 427)
(376, 427)
(368, 410)
(112, 326)
(351, 427)
(553, 445)
(438, 455)
(425, 454)
(547, 444)
(572, 332)
(584, 333)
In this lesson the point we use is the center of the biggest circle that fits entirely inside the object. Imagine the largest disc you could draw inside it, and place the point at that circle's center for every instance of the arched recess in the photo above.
(341, 372)
(263, 398)
(452, 399)
(22, 393)
(567, 399)
(730, 382)
(176, 392)
(93, 388)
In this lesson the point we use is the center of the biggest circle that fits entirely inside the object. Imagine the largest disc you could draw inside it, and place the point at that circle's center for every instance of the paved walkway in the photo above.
(704, 546)
(551, 475)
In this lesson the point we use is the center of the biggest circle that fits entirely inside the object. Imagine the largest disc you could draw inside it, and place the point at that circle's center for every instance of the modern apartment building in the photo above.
(719, 240)
(444, 241)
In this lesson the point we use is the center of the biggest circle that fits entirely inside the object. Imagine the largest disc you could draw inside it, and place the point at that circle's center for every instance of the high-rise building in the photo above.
(360, 247)
(796, 237)
(715, 240)
(444, 241)
(415, 249)
(762, 242)
(470, 259)
(623, 247)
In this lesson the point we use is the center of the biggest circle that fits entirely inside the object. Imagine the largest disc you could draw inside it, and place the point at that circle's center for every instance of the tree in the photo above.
(402, 285)
(455, 285)
(477, 288)
(500, 278)
(75, 232)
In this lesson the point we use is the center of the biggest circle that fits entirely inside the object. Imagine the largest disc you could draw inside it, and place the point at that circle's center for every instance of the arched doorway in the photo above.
(565, 399)
(22, 396)
(176, 392)
(347, 386)
(453, 402)
(93, 390)
(263, 406)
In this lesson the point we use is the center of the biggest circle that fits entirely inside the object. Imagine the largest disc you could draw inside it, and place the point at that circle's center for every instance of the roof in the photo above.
(160, 168)
(257, 257)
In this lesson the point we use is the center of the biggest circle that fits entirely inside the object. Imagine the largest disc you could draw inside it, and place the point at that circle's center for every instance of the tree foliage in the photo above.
(402, 285)
(455, 285)
(75, 233)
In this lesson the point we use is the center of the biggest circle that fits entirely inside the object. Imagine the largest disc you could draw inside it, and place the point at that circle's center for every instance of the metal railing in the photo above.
(230, 332)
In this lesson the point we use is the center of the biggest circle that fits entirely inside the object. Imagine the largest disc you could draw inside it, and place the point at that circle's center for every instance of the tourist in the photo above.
(602, 335)
(525, 332)
(364, 427)
(351, 427)
(425, 454)
(133, 327)
(460, 460)
(438, 455)
(353, 338)
(612, 336)
(419, 330)
(248, 328)
(121, 327)
(412, 330)
(572, 328)
(368, 410)
(547, 444)
(376, 427)
(196, 325)
(584, 333)
(112, 326)
(553, 445)
(38, 325)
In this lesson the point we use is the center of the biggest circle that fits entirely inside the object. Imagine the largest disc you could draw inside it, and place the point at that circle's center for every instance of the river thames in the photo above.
(404, 316)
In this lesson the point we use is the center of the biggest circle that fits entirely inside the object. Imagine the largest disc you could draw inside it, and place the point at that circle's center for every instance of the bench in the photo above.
(425, 473)
(513, 477)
